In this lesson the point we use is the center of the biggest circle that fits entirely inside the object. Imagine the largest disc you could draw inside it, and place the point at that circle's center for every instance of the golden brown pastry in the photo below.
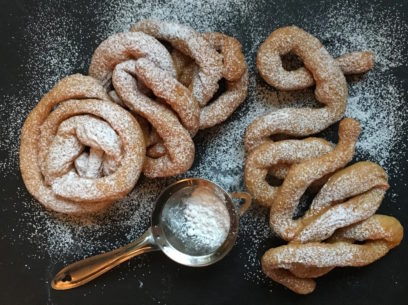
(234, 71)
(192, 44)
(341, 214)
(276, 158)
(135, 63)
(56, 168)
(319, 68)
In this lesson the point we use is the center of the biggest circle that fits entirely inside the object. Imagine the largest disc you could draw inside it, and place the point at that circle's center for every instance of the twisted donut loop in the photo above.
(234, 71)
(123, 46)
(176, 139)
(301, 175)
(151, 69)
(53, 164)
(320, 68)
(275, 158)
(236, 74)
(155, 72)
(341, 213)
(296, 265)
(343, 210)
(192, 44)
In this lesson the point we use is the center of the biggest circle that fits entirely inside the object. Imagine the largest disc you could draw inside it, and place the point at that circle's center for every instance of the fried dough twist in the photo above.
(161, 89)
(340, 214)
(201, 60)
(319, 68)
(54, 165)
(191, 43)
(131, 59)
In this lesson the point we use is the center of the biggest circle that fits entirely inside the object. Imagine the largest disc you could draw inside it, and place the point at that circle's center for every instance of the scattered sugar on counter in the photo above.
(198, 223)
(52, 52)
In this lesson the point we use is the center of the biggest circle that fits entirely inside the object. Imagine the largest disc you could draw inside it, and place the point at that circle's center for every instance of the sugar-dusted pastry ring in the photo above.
(301, 176)
(192, 44)
(340, 214)
(236, 74)
(270, 155)
(123, 46)
(295, 265)
(234, 71)
(331, 87)
(176, 139)
(77, 95)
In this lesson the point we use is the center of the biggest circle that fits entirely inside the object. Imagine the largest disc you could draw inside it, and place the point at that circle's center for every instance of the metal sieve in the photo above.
(157, 237)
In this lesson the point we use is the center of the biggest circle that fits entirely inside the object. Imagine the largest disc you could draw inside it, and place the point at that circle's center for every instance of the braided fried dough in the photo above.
(189, 49)
(200, 69)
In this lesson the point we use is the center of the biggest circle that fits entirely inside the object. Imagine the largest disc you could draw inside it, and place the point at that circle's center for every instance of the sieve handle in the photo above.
(247, 201)
(84, 271)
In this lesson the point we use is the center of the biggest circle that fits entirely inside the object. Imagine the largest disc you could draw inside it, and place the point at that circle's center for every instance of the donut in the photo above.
(136, 64)
(179, 146)
(342, 213)
(192, 44)
(276, 158)
(331, 87)
(192, 69)
(55, 167)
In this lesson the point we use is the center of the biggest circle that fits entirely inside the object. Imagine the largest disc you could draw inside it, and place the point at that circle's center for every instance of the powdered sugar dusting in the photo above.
(376, 100)
(376, 103)
(379, 30)
(196, 221)
(10, 140)
(378, 109)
